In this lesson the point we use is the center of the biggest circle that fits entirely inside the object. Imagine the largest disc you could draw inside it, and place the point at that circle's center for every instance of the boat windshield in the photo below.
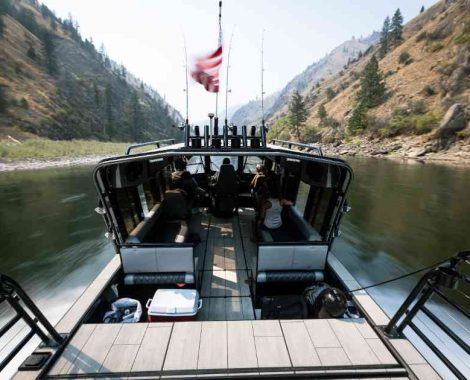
(195, 164)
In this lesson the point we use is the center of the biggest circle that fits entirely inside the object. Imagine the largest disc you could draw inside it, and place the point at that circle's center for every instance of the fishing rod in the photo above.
(220, 44)
(227, 90)
(262, 78)
(263, 127)
(187, 85)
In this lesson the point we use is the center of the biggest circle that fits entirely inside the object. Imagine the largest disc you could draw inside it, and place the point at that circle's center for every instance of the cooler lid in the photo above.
(174, 301)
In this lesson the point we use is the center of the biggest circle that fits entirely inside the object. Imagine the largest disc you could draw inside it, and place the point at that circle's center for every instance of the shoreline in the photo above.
(38, 164)
(458, 154)
(341, 151)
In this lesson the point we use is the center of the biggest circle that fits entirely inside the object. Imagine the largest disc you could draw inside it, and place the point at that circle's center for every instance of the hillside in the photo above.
(57, 85)
(329, 65)
(425, 77)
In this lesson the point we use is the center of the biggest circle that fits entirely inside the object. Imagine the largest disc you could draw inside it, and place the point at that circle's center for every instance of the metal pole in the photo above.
(220, 44)
(262, 78)
(187, 85)
(226, 79)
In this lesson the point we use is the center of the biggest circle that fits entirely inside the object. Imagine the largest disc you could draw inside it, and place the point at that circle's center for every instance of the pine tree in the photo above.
(422, 9)
(330, 93)
(385, 38)
(358, 120)
(31, 53)
(137, 122)
(396, 29)
(3, 100)
(372, 89)
(49, 52)
(322, 112)
(297, 113)
(2, 26)
(108, 124)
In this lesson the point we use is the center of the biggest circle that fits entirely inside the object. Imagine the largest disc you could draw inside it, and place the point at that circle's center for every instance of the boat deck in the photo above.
(227, 262)
(226, 339)
(219, 348)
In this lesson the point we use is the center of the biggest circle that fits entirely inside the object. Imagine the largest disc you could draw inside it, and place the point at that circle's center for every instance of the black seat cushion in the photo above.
(175, 205)
(227, 182)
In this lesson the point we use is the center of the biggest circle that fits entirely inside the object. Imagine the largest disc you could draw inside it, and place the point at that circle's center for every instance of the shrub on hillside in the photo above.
(429, 90)
(405, 58)
(309, 134)
(435, 46)
(464, 37)
(280, 129)
(24, 103)
(410, 121)
(422, 36)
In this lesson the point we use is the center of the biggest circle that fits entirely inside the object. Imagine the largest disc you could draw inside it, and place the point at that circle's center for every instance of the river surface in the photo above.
(404, 216)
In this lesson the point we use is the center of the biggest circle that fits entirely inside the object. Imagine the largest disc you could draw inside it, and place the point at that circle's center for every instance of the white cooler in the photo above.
(173, 305)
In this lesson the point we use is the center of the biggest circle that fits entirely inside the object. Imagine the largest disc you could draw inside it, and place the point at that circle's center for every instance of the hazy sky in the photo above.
(147, 37)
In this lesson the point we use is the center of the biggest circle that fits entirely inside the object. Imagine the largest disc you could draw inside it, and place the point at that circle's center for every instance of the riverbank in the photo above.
(457, 153)
(39, 153)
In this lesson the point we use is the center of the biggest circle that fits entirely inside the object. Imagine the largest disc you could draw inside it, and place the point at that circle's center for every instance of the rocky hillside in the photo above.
(55, 84)
(314, 74)
(426, 106)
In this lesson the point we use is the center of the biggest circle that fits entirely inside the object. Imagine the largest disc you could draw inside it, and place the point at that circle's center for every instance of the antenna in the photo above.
(262, 79)
(227, 90)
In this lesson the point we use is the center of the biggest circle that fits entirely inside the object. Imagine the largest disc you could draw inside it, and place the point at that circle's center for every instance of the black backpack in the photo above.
(284, 307)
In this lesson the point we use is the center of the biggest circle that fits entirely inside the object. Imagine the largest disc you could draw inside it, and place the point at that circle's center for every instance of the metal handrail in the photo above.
(445, 276)
(158, 143)
(291, 144)
(14, 294)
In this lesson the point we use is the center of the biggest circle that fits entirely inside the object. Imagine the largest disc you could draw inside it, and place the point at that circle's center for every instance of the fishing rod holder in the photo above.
(26, 309)
(228, 139)
(438, 281)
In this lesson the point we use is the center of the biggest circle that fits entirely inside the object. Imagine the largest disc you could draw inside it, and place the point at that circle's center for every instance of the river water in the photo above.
(404, 216)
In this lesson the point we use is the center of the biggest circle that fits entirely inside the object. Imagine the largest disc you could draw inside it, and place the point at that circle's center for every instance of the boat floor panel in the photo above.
(226, 268)
(223, 348)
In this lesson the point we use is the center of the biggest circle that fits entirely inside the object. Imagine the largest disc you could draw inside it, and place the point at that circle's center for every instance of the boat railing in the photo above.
(301, 146)
(158, 143)
(445, 281)
(25, 309)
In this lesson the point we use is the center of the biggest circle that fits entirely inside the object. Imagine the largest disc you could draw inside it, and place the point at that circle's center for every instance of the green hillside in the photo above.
(57, 85)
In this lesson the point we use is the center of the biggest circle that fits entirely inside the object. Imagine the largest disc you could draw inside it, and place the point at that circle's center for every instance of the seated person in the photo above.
(259, 178)
(215, 177)
(182, 179)
(270, 214)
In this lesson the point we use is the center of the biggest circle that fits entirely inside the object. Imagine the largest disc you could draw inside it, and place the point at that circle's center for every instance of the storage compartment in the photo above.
(173, 305)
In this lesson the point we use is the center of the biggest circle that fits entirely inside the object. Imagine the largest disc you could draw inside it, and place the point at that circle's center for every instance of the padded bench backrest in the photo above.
(293, 218)
(139, 233)
(157, 259)
(291, 257)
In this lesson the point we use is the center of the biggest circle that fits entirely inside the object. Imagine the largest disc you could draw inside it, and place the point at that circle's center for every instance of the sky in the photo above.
(147, 36)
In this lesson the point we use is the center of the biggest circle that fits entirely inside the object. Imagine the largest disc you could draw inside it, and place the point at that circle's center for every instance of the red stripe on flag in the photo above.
(206, 70)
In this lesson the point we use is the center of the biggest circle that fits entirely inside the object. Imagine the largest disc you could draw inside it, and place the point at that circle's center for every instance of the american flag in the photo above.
(206, 70)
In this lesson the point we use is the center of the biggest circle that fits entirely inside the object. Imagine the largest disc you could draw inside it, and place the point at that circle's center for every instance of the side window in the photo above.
(129, 207)
(302, 197)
